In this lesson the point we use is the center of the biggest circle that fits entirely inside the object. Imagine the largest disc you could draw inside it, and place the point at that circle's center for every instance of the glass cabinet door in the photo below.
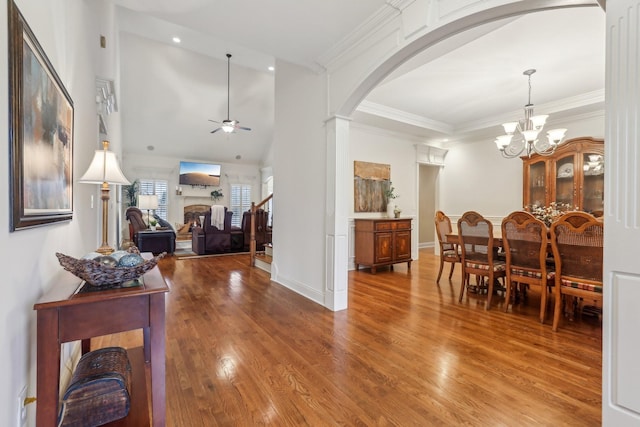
(593, 185)
(537, 184)
(565, 187)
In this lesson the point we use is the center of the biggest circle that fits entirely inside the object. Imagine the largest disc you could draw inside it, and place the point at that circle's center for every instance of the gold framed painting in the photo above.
(41, 133)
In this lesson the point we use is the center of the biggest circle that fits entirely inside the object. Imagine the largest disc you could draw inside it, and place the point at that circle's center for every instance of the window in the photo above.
(159, 188)
(240, 202)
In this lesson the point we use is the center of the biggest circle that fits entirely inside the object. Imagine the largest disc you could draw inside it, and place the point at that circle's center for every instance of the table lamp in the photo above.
(148, 202)
(104, 170)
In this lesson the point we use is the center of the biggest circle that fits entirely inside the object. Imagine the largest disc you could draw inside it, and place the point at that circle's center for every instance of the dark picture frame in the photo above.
(40, 133)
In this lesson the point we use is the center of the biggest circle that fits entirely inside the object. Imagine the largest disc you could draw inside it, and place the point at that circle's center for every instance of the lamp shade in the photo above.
(104, 168)
(148, 201)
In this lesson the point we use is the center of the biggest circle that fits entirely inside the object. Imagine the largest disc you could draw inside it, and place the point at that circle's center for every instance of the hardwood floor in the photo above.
(242, 351)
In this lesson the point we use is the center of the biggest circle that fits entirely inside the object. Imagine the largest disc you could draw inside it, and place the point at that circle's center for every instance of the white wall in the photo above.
(375, 145)
(68, 33)
(299, 173)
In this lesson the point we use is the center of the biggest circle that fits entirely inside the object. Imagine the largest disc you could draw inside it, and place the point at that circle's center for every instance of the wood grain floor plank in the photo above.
(243, 351)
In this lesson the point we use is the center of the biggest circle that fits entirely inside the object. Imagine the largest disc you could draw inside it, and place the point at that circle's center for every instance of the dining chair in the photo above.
(449, 252)
(576, 241)
(478, 255)
(525, 244)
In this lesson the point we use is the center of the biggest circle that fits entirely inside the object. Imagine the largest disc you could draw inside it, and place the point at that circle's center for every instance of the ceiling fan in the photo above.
(228, 126)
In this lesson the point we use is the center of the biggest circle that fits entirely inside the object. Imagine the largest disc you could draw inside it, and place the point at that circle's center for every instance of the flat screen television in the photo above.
(206, 174)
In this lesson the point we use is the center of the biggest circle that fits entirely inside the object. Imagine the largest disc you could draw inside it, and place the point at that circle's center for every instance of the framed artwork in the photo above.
(41, 133)
(370, 180)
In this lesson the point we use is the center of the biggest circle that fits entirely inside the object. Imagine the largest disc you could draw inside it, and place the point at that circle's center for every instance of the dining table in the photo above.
(497, 238)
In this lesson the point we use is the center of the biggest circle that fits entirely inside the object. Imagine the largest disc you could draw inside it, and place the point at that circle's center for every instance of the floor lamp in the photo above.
(104, 170)
(148, 202)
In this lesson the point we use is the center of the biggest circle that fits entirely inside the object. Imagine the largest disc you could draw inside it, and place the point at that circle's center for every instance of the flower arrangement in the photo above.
(548, 214)
(389, 192)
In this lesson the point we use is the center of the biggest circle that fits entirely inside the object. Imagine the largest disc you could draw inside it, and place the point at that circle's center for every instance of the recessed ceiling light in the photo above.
(176, 39)
(271, 68)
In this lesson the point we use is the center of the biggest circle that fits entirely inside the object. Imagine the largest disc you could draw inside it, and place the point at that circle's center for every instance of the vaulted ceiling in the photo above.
(460, 90)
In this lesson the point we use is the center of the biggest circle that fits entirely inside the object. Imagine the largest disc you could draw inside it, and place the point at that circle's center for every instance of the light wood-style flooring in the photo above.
(242, 351)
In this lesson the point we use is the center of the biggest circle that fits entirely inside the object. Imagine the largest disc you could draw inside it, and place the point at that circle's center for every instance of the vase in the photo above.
(390, 208)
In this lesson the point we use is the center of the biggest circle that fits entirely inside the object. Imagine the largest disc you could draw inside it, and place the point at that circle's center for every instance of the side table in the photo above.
(65, 315)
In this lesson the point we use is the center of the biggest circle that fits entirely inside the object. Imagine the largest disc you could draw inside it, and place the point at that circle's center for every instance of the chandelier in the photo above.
(526, 140)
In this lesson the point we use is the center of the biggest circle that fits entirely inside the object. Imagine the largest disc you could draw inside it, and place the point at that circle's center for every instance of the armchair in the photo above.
(136, 221)
(147, 240)
(208, 239)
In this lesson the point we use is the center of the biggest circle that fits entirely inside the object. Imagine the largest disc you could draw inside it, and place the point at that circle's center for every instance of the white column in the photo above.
(621, 322)
(338, 172)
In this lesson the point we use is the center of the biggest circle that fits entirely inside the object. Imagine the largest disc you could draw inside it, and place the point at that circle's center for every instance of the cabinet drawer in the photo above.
(403, 225)
(383, 226)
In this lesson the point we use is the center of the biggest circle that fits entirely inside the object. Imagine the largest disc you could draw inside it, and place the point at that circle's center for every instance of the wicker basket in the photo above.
(98, 274)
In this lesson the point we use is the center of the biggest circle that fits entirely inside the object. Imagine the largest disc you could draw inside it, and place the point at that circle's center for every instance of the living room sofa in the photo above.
(208, 239)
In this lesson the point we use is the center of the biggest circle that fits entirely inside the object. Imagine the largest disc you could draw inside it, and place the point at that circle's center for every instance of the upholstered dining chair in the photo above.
(576, 240)
(524, 238)
(478, 253)
(449, 252)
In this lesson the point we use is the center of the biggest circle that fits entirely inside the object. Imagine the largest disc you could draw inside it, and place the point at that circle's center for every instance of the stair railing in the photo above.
(252, 241)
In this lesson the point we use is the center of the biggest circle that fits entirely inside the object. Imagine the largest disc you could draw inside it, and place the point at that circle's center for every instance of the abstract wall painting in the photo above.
(370, 182)
(41, 131)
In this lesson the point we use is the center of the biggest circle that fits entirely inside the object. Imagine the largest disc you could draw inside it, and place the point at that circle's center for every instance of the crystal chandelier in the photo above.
(512, 145)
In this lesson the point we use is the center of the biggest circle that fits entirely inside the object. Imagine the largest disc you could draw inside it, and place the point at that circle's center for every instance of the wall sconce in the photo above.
(178, 191)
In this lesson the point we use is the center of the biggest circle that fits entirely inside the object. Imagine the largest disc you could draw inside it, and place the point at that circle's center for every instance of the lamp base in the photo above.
(105, 249)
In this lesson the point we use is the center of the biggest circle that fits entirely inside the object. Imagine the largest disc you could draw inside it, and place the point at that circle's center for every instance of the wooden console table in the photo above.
(65, 315)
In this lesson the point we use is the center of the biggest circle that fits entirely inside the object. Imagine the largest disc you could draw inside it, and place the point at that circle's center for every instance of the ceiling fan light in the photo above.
(510, 127)
(228, 128)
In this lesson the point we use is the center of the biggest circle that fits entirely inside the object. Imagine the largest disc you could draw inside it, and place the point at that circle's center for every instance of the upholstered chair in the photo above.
(449, 252)
(577, 242)
(478, 252)
(524, 238)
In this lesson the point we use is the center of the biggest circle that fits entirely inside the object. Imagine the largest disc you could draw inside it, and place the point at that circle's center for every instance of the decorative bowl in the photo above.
(98, 274)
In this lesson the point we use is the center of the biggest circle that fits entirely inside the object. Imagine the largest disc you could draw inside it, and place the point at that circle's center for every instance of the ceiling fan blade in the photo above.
(243, 128)
(215, 130)
(213, 121)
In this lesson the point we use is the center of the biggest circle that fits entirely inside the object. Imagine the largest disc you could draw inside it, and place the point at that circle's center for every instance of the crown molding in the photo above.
(404, 117)
(573, 102)
(365, 31)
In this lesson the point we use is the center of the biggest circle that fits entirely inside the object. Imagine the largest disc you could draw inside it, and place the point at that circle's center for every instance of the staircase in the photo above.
(263, 259)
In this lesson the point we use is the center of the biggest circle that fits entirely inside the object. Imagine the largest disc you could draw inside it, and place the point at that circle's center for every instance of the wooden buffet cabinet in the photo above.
(382, 241)
(573, 175)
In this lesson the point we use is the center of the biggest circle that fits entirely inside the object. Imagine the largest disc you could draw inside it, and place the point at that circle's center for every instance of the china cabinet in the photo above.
(573, 175)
